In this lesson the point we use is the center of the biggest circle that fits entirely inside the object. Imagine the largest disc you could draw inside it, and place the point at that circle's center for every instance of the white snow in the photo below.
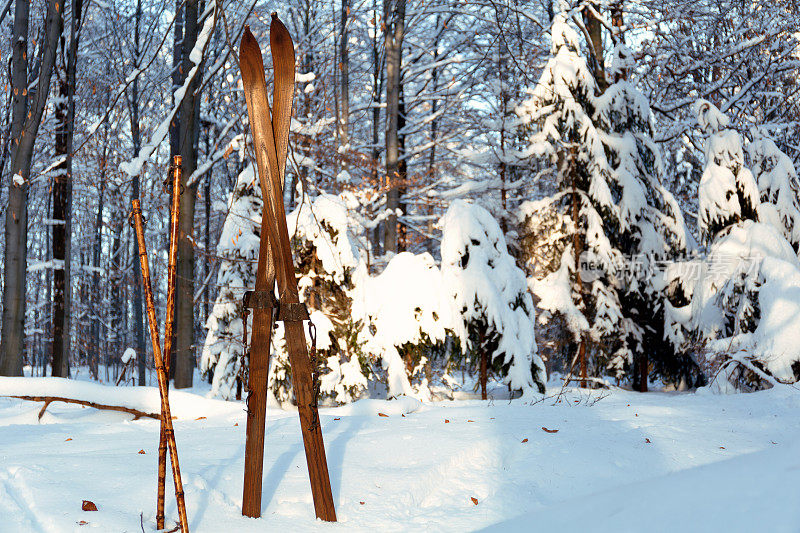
(396, 311)
(664, 462)
(128, 355)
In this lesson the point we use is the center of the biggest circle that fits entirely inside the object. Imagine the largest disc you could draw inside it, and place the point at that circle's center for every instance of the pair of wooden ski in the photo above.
(270, 130)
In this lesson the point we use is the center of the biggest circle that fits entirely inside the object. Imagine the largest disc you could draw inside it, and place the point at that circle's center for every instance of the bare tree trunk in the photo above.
(25, 126)
(189, 136)
(344, 90)
(377, 81)
(595, 30)
(138, 299)
(116, 297)
(62, 202)
(577, 245)
(484, 357)
(430, 243)
(394, 14)
(402, 168)
(175, 130)
(96, 298)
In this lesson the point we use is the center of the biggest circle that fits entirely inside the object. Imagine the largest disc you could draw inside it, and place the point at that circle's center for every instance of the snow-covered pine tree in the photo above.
(493, 313)
(405, 319)
(327, 260)
(560, 110)
(739, 306)
(777, 182)
(650, 227)
(728, 192)
(223, 353)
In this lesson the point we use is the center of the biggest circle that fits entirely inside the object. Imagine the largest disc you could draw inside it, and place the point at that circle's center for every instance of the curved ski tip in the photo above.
(278, 33)
(248, 40)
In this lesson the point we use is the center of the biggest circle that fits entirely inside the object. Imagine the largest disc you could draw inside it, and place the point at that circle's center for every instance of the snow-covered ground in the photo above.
(625, 462)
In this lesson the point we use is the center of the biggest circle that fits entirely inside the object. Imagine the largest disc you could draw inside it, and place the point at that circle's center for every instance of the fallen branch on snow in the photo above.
(137, 414)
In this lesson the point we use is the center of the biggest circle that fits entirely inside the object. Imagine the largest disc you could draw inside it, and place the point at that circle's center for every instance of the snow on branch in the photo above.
(134, 166)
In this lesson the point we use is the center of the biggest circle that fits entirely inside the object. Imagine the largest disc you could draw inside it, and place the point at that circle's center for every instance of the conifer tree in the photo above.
(739, 306)
(621, 220)
(777, 183)
(223, 353)
(493, 313)
(651, 227)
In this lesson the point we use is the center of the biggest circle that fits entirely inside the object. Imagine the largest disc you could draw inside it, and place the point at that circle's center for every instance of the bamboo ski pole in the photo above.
(166, 415)
(168, 326)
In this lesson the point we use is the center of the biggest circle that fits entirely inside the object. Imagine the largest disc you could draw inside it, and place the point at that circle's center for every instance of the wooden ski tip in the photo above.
(278, 33)
(248, 41)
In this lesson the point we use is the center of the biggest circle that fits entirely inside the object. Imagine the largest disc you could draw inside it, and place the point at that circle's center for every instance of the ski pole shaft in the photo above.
(168, 327)
(166, 415)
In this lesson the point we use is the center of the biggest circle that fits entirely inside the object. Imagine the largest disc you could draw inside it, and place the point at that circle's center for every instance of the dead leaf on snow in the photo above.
(549, 430)
(88, 506)
(474, 500)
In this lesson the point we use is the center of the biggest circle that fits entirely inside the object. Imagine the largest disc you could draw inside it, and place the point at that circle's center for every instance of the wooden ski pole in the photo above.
(168, 326)
(166, 415)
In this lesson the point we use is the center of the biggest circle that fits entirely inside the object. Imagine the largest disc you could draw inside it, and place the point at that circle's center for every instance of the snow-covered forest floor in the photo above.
(619, 461)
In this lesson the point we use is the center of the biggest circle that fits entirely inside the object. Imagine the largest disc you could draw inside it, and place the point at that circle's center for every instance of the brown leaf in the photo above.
(236, 424)
(141, 452)
(362, 503)
(68, 439)
(470, 421)
(524, 440)
(88, 506)
(647, 441)
(549, 430)
(474, 500)
(82, 523)
(446, 421)
(337, 418)
(200, 418)
(722, 447)
(383, 414)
